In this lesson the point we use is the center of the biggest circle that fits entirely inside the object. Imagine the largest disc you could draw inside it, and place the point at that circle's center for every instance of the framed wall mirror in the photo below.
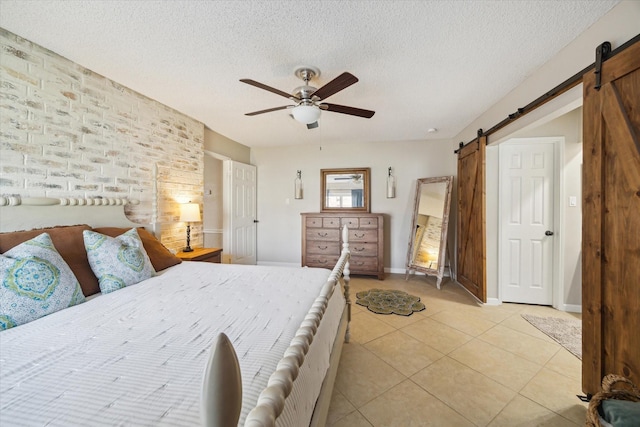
(345, 189)
(428, 238)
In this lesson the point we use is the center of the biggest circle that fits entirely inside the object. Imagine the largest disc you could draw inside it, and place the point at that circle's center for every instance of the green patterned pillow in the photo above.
(117, 261)
(35, 281)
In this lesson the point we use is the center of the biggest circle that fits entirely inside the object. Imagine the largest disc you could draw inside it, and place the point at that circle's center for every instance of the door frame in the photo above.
(558, 216)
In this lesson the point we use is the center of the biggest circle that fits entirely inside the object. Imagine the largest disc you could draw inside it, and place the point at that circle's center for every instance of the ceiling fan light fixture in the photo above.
(306, 114)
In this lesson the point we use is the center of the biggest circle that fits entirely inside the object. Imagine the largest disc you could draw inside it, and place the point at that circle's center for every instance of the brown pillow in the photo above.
(69, 243)
(159, 255)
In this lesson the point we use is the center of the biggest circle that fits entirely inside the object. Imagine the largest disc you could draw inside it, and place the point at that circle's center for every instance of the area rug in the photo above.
(383, 301)
(566, 332)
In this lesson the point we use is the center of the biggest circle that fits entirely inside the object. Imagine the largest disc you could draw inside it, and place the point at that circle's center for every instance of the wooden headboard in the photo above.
(38, 212)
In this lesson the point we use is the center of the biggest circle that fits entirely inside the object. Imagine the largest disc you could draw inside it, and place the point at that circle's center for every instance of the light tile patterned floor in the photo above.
(455, 364)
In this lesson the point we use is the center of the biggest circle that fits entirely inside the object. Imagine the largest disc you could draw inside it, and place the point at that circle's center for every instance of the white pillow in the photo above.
(35, 281)
(117, 261)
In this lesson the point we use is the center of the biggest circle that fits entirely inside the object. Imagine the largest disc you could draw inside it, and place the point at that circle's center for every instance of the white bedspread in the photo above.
(137, 356)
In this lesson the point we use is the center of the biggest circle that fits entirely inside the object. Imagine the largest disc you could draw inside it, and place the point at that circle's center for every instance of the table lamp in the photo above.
(189, 212)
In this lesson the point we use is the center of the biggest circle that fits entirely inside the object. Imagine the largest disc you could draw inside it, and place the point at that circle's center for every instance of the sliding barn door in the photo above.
(471, 218)
(611, 222)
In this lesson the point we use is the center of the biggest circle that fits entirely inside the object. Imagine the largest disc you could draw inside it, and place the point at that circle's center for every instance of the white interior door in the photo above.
(240, 212)
(526, 222)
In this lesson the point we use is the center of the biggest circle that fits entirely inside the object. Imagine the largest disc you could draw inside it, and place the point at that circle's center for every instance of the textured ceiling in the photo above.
(421, 64)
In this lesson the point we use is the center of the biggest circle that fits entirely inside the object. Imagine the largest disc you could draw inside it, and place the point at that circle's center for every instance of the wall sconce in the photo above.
(391, 185)
(298, 185)
(189, 212)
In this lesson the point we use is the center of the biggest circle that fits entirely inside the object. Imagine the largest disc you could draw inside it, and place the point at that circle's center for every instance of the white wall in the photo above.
(212, 202)
(225, 147)
(279, 229)
(619, 25)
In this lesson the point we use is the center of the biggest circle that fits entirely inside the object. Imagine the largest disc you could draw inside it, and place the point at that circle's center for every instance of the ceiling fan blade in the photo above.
(255, 113)
(349, 110)
(344, 80)
(269, 88)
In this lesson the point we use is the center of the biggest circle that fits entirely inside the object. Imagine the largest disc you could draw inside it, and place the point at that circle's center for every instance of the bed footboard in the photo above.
(222, 387)
(220, 404)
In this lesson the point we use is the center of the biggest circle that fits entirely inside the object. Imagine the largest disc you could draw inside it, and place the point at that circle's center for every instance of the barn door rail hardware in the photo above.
(603, 53)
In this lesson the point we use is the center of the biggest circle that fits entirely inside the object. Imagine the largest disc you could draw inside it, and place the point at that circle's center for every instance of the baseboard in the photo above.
(393, 270)
(213, 231)
(571, 308)
(493, 301)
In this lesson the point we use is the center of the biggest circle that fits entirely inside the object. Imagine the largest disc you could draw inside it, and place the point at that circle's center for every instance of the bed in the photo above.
(195, 344)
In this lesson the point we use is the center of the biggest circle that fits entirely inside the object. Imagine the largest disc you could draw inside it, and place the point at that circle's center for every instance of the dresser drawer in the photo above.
(331, 222)
(363, 263)
(368, 222)
(360, 222)
(313, 222)
(364, 249)
(363, 236)
(328, 234)
(325, 261)
(323, 248)
(350, 222)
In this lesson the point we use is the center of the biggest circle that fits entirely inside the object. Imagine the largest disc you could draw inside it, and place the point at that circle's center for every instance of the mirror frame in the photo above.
(439, 272)
(366, 172)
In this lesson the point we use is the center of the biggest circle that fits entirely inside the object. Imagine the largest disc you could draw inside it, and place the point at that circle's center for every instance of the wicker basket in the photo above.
(630, 392)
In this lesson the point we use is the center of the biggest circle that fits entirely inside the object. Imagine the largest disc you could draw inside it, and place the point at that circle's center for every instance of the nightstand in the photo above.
(202, 254)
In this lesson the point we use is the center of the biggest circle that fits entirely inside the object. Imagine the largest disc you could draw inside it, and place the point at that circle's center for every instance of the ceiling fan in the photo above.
(309, 101)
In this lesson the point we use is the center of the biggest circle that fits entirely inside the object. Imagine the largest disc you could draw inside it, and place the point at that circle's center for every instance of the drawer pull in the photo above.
(358, 236)
(322, 247)
(322, 234)
(324, 261)
(358, 249)
(359, 262)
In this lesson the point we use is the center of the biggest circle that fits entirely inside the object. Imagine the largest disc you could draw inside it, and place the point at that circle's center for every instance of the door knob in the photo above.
(548, 233)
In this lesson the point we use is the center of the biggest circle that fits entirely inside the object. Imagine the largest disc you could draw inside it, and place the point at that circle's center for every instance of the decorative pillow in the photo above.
(69, 244)
(160, 256)
(35, 281)
(117, 262)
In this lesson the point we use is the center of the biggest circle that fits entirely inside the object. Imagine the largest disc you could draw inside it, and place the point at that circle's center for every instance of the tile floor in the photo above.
(454, 364)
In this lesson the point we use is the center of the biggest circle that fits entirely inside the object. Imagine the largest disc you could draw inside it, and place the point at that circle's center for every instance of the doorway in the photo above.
(230, 215)
(563, 123)
(240, 216)
(528, 218)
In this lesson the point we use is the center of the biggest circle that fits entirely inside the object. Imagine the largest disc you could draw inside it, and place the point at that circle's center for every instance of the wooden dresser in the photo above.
(322, 241)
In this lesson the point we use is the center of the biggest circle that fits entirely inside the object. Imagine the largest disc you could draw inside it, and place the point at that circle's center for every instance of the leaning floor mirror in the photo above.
(428, 239)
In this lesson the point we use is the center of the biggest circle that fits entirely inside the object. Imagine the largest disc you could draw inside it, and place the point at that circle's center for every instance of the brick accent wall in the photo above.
(66, 131)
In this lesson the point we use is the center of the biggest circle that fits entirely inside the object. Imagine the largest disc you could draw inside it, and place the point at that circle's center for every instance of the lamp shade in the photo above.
(189, 212)
(306, 114)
